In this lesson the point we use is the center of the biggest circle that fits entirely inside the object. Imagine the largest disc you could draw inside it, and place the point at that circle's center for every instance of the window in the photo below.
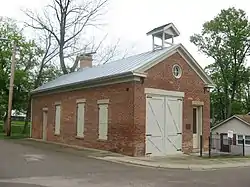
(103, 119)
(58, 119)
(240, 139)
(247, 140)
(245, 137)
(80, 118)
(177, 72)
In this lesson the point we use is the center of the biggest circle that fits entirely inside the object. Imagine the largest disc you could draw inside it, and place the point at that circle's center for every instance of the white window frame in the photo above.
(103, 119)
(80, 129)
(179, 69)
(247, 139)
(244, 138)
(58, 122)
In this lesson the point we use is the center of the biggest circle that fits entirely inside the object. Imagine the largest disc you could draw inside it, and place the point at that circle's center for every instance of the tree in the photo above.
(226, 40)
(34, 67)
(9, 31)
(44, 71)
(66, 21)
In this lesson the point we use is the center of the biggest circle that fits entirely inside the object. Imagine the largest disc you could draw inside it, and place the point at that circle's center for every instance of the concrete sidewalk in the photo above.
(181, 162)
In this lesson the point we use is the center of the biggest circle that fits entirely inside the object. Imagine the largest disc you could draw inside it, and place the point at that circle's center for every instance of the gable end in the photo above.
(229, 119)
(187, 57)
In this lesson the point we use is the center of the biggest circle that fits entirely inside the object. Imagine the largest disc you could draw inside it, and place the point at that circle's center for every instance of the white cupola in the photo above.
(164, 33)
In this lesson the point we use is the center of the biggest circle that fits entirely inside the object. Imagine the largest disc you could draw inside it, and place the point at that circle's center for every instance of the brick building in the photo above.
(154, 103)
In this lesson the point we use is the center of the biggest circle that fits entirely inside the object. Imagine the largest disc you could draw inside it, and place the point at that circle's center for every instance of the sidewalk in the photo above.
(181, 162)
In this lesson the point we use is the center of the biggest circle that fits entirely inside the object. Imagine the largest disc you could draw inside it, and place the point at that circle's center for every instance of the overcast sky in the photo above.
(130, 20)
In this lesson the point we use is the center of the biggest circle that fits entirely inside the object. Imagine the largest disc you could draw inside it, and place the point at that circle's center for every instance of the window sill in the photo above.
(79, 137)
(102, 140)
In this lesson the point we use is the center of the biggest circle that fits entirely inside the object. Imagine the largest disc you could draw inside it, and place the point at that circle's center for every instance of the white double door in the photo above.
(163, 125)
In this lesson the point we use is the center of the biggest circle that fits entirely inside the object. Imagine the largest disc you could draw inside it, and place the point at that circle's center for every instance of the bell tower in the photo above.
(166, 33)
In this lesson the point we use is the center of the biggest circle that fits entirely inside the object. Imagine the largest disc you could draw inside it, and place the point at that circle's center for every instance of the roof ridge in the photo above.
(149, 51)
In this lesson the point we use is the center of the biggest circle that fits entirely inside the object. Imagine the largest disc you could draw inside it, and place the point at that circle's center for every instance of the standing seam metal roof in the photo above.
(126, 65)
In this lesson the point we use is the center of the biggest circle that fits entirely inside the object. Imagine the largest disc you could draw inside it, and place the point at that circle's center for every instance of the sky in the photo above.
(130, 20)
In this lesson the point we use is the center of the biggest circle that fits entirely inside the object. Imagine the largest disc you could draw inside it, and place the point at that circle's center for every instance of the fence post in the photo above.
(243, 147)
(209, 146)
(201, 143)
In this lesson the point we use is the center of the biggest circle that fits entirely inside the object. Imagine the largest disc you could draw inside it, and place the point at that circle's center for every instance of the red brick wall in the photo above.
(120, 113)
(160, 77)
(127, 110)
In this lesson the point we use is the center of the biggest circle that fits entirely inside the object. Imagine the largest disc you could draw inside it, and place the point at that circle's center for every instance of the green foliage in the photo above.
(29, 73)
(17, 128)
(226, 40)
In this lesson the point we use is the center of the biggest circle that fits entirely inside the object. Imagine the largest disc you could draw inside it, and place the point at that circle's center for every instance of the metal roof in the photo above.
(118, 67)
(158, 28)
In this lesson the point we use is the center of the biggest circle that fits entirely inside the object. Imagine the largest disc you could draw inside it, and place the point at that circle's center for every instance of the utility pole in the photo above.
(12, 76)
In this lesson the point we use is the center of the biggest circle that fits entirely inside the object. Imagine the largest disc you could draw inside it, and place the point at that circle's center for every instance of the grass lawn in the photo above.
(16, 130)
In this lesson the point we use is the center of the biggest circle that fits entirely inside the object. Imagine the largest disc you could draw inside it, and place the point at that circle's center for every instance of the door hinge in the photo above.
(178, 149)
(148, 153)
(148, 134)
(179, 133)
(179, 99)
(149, 96)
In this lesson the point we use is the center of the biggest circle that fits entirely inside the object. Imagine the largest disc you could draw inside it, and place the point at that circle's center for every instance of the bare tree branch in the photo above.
(72, 18)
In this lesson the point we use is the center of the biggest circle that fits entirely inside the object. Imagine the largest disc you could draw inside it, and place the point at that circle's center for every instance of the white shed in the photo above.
(240, 125)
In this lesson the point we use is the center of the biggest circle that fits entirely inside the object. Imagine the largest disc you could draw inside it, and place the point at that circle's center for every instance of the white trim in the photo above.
(81, 101)
(45, 109)
(209, 81)
(155, 32)
(140, 74)
(180, 69)
(177, 33)
(238, 139)
(103, 126)
(197, 103)
(244, 138)
(62, 90)
(58, 123)
(192, 63)
(163, 92)
(103, 101)
(228, 119)
(58, 103)
(149, 65)
(79, 118)
(173, 27)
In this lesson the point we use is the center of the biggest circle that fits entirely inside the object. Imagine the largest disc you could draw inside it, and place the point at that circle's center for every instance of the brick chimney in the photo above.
(85, 60)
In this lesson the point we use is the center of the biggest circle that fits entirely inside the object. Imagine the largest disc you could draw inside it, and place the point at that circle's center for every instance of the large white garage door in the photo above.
(155, 132)
(173, 124)
(163, 125)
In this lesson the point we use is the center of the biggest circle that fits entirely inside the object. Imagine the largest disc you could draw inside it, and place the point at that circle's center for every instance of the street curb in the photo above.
(118, 158)
(193, 167)
(98, 151)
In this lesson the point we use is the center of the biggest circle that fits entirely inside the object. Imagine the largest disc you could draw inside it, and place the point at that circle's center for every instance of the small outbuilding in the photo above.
(155, 103)
(239, 125)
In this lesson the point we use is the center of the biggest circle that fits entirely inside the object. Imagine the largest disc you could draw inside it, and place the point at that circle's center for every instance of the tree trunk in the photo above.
(27, 118)
(64, 69)
(229, 109)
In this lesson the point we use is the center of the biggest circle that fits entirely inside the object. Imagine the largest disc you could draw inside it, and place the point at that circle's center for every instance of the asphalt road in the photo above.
(43, 166)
